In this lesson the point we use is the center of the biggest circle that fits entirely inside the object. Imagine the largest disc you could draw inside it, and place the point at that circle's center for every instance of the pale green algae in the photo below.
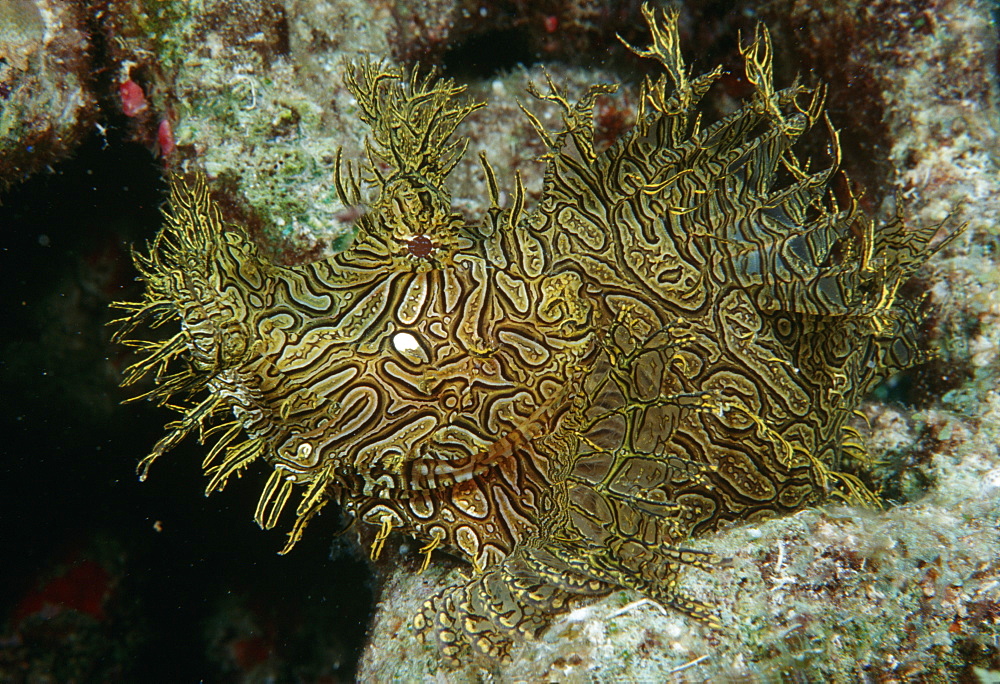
(46, 103)
(260, 107)
(253, 103)
(22, 32)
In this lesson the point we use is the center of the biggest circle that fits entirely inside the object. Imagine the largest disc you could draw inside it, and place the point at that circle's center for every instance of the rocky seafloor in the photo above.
(120, 94)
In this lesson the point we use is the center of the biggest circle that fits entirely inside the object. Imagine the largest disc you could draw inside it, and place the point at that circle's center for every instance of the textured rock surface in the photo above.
(254, 94)
(46, 101)
(828, 595)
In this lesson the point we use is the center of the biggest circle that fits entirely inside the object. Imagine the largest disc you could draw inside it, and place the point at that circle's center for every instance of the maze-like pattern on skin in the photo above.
(672, 340)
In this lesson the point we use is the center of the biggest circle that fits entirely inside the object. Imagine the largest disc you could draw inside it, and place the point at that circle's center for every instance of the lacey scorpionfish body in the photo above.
(673, 339)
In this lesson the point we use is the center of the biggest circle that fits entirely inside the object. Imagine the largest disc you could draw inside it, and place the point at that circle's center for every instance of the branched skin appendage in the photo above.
(672, 340)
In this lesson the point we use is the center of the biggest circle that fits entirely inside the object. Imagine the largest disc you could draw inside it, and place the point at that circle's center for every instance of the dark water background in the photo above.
(91, 589)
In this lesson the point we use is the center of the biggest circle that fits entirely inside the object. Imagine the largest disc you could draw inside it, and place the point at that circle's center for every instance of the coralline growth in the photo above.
(672, 340)
(46, 104)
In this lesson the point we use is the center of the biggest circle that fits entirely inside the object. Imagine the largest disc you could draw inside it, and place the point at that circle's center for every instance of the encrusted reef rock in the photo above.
(830, 594)
(252, 94)
(46, 101)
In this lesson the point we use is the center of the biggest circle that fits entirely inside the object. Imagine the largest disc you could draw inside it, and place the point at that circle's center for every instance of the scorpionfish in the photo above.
(672, 340)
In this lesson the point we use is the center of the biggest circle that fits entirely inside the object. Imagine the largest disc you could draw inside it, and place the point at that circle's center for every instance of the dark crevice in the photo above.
(67, 462)
(488, 54)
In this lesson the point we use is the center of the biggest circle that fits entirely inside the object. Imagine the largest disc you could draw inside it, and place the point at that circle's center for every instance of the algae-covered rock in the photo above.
(254, 96)
(46, 102)
(831, 595)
